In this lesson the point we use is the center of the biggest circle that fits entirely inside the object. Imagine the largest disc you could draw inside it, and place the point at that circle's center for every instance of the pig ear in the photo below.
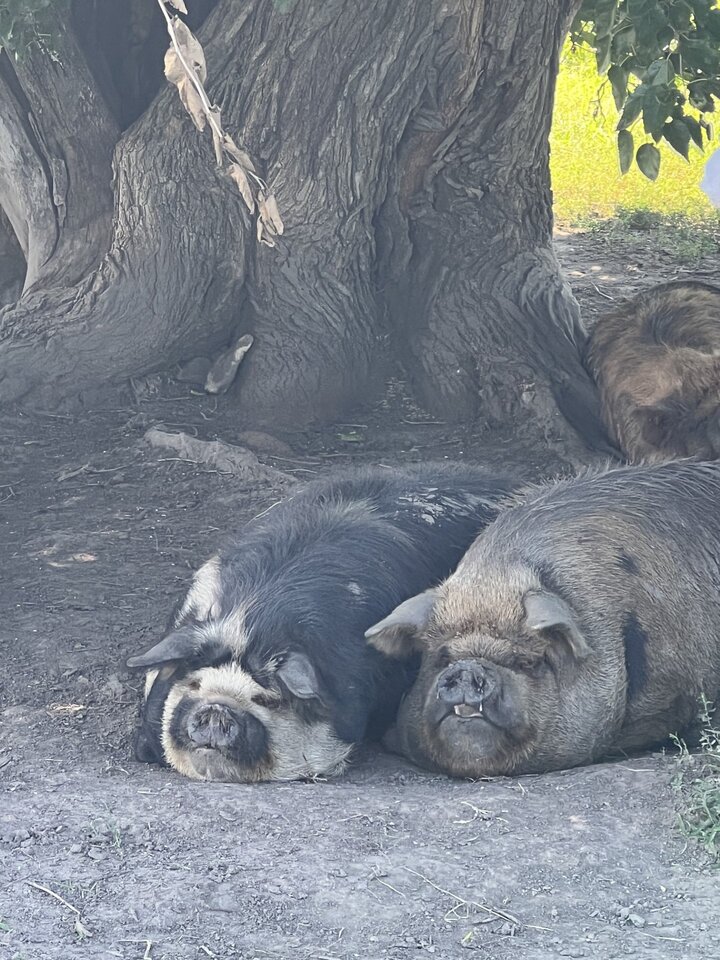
(398, 635)
(178, 645)
(548, 613)
(298, 674)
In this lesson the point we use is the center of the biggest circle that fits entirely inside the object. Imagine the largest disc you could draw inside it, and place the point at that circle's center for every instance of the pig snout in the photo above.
(465, 685)
(217, 726)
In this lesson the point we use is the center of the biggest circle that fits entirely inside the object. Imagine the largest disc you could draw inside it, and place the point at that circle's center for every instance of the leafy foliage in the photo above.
(24, 22)
(662, 59)
(586, 177)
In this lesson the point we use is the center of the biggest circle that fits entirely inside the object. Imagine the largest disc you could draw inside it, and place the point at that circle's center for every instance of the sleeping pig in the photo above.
(586, 619)
(656, 361)
(266, 674)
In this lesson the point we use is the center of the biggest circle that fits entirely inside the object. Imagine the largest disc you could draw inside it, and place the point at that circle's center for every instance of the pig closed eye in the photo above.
(539, 668)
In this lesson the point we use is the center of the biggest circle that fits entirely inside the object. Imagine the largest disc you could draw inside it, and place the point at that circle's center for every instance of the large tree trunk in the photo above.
(407, 144)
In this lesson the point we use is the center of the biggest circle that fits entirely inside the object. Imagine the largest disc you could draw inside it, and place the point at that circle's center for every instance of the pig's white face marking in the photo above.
(231, 629)
(203, 599)
(150, 678)
(152, 675)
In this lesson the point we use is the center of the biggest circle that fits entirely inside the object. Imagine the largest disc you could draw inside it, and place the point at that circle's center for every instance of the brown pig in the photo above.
(584, 620)
(656, 361)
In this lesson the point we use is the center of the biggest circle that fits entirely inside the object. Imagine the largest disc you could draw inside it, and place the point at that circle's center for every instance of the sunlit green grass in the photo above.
(585, 172)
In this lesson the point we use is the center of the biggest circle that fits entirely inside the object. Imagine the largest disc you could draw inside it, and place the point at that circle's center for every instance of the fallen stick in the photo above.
(223, 457)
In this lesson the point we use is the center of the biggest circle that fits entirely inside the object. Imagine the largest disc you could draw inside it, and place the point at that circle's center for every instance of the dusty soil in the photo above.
(103, 857)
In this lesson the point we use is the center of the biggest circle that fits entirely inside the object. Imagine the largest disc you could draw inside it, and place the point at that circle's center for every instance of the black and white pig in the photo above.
(266, 674)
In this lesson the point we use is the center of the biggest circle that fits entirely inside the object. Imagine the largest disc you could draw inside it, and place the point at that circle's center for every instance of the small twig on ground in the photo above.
(225, 457)
(148, 947)
(462, 902)
(80, 929)
(376, 876)
(477, 812)
(51, 893)
(606, 295)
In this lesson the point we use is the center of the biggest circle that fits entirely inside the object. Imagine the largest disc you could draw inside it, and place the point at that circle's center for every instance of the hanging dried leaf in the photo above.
(185, 68)
(216, 128)
(268, 213)
(243, 185)
(192, 102)
(237, 154)
(262, 234)
(190, 48)
(273, 214)
(174, 70)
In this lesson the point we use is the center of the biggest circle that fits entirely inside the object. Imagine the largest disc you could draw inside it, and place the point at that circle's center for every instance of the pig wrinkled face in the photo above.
(478, 697)
(482, 703)
(213, 715)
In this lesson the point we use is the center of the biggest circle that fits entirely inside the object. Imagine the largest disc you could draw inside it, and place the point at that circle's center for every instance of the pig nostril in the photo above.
(463, 683)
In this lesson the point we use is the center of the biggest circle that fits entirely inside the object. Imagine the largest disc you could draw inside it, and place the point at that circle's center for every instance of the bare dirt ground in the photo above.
(103, 857)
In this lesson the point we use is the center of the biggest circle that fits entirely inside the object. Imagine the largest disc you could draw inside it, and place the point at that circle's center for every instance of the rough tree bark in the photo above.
(12, 263)
(407, 145)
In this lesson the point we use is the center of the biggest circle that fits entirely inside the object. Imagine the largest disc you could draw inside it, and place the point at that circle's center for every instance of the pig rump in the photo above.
(266, 675)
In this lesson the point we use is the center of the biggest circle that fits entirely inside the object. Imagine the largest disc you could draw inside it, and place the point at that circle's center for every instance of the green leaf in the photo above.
(680, 15)
(695, 130)
(602, 53)
(626, 150)
(618, 81)
(677, 135)
(624, 41)
(655, 110)
(660, 72)
(665, 36)
(648, 159)
(633, 109)
(604, 16)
